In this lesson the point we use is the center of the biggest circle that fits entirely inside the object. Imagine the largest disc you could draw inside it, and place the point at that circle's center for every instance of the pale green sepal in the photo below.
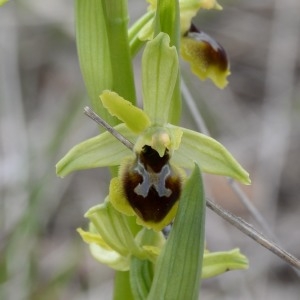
(134, 118)
(216, 263)
(102, 150)
(178, 269)
(211, 156)
(160, 71)
(110, 258)
(114, 228)
(141, 275)
(102, 252)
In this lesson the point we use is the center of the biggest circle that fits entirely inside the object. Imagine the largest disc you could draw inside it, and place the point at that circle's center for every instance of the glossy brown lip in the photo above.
(151, 185)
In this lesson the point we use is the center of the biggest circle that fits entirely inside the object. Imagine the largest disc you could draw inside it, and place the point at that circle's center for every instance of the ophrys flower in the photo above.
(161, 150)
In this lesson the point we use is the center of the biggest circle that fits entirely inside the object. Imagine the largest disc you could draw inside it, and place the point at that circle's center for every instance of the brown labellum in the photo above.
(151, 185)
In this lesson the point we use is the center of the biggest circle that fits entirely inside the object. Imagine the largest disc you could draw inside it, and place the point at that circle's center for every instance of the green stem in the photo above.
(122, 289)
(168, 20)
(116, 18)
(134, 31)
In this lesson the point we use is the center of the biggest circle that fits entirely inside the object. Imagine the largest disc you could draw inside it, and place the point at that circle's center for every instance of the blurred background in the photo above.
(42, 96)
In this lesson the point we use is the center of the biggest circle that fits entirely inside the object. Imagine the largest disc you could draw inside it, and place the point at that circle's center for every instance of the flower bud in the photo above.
(207, 58)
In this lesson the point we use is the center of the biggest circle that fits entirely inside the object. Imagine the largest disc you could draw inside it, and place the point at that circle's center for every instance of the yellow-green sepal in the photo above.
(134, 118)
(100, 151)
(211, 156)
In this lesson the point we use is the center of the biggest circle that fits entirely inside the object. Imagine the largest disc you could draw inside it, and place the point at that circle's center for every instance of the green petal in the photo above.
(160, 71)
(102, 150)
(178, 268)
(135, 118)
(160, 138)
(216, 263)
(211, 156)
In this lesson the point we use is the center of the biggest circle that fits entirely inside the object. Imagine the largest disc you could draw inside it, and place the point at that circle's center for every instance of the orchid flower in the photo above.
(150, 127)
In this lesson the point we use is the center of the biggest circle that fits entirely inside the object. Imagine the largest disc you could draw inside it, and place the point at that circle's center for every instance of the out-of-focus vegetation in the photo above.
(41, 101)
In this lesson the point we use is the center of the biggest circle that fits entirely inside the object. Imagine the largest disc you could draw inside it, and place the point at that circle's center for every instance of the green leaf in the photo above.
(100, 151)
(215, 263)
(178, 269)
(93, 52)
(116, 20)
(211, 156)
(134, 118)
(141, 275)
(160, 72)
